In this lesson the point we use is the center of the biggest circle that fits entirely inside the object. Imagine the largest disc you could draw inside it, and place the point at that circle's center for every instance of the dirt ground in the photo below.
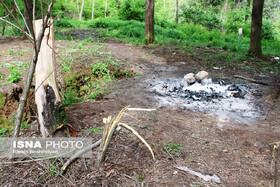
(238, 153)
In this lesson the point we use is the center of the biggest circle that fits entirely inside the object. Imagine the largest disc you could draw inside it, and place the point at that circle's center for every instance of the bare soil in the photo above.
(238, 153)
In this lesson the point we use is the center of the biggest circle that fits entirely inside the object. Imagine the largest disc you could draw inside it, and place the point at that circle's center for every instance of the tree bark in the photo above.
(28, 9)
(51, 114)
(256, 28)
(92, 12)
(81, 12)
(149, 21)
(177, 12)
(106, 8)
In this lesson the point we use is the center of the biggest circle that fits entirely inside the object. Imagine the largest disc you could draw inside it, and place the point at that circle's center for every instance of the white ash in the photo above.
(232, 101)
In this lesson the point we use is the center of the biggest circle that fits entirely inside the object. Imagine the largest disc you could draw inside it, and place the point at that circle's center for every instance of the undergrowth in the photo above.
(90, 73)
(185, 34)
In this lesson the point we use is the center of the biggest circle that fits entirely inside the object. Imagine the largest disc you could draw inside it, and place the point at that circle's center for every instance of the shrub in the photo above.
(132, 10)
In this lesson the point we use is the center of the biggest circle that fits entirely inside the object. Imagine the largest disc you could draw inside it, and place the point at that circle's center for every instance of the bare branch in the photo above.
(15, 19)
(30, 21)
(22, 18)
(34, 3)
(42, 10)
(79, 153)
(29, 36)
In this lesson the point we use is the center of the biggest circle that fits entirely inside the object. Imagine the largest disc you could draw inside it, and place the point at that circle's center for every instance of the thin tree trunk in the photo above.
(4, 26)
(28, 9)
(164, 4)
(256, 28)
(78, 6)
(223, 15)
(177, 11)
(81, 12)
(149, 21)
(92, 13)
(106, 8)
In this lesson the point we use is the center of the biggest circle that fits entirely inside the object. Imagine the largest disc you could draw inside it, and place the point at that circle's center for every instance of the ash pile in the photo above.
(198, 92)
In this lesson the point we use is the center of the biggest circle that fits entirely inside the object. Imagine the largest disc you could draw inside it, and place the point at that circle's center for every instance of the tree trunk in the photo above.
(256, 28)
(28, 9)
(149, 21)
(81, 12)
(177, 12)
(4, 25)
(164, 4)
(106, 8)
(51, 114)
(92, 13)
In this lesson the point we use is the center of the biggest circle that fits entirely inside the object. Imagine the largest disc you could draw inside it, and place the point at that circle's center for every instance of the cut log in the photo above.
(51, 114)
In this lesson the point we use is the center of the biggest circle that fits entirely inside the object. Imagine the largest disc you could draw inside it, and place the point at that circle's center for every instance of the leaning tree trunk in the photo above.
(256, 28)
(51, 114)
(92, 11)
(81, 12)
(28, 9)
(177, 12)
(106, 4)
(149, 21)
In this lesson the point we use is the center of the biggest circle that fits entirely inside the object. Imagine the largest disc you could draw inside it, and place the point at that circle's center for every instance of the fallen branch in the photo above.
(251, 80)
(79, 153)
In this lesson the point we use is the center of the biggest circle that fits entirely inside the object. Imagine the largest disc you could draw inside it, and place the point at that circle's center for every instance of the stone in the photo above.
(206, 81)
(189, 78)
(201, 75)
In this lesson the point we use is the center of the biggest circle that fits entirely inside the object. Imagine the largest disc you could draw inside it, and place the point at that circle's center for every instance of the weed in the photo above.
(95, 130)
(172, 148)
(10, 51)
(14, 76)
(70, 98)
(1, 76)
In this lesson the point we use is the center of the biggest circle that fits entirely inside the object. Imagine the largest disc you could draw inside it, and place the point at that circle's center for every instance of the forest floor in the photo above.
(237, 151)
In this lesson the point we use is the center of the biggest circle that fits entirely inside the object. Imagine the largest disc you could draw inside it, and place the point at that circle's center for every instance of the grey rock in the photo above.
(206, 81)
(189, 78)
(201, 75)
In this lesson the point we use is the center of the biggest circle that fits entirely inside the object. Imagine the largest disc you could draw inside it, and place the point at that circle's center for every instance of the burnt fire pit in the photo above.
(198, 92)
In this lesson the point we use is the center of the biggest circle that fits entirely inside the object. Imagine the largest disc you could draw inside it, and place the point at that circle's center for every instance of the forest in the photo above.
(160, 92)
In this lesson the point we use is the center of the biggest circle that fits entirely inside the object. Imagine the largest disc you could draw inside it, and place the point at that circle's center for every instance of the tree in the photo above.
(256, 28)
(106, 3)
(81, 11)
(92, 12)
(28, 16)
(177, 12)
(149, 21)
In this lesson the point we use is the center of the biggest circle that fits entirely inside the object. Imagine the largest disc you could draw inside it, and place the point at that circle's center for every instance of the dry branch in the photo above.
(79, 153)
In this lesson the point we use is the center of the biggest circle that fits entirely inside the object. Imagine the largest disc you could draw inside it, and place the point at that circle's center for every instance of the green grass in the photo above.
(97, 72)
(171, 148)
(228, 48)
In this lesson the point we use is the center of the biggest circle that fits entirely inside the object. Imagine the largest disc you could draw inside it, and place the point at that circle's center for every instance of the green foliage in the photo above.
(132, 10)
(95, 130)
(70, 98)
(197, 15)
(1, 76)
(172, 148)
(14, 76)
